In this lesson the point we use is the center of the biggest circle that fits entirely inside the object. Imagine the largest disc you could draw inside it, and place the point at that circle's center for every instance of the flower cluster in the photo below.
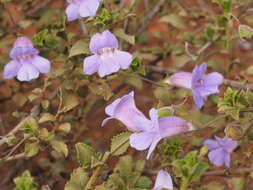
(147, 133)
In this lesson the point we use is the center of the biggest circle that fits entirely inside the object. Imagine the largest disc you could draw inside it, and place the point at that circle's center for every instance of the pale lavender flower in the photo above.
(125, 110)
(26, 64)
(107, 58)
(156, 130)
(220, 150)
(81, 8)
(163, 180)
(199, 83)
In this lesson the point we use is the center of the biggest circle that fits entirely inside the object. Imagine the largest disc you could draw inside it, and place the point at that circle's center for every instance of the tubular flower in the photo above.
(26, 64)
(199, 83)
(81, 8)
(125, 110)
(156, 130)
(220, 150)
(163, 180)
(107, 58)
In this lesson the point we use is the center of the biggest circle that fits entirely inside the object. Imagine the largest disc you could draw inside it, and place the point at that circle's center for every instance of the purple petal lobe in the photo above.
(152, 147)
(107, 66)
(170, 126)
(198, 73)
(88, 8)
(106, 120)
(11, 69)
(227, 159)
(27, 72)
(217, 156)
(72, 12)
(91, 64)
(103, 40)
(213, 79)
(43, 65)
(211, 144)
(182, 79)
(123, 58)
(141, 141)
(163, 180)
(198, 99)
(23, 42)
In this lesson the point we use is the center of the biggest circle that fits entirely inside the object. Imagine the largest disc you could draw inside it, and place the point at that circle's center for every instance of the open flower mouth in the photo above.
(22, 58)
(106, 52)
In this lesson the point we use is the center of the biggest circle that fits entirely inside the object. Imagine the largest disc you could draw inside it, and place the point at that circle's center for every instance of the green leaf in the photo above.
(121, 34)
(78, 180)
(174, 20)
(69, 101)
(46, 117)
(25, 182)
(65, 127)
(31, 149)
(144, 182)
(245, 31)
(214, 186)
(237, 183)
(85, 153)
(80, 47)
(103, 90)
(120, 143)
(59, 147)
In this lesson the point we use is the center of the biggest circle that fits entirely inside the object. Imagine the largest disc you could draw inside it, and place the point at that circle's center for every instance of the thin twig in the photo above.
(229, 171)
(14, 130)
(149, 17)
(83, 27)
(239, 85)
(14, 157)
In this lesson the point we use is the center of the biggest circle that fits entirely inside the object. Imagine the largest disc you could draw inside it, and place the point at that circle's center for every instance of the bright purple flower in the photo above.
(202, 85)
(125, 110)
(151, 133)
(220, 150)
(163, 180)
(81, 8)
(26, 64)
(107, 58)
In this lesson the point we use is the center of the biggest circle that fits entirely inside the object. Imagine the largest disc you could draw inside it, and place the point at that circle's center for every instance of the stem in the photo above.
(184, 184)
(83, 27)
(97, 171)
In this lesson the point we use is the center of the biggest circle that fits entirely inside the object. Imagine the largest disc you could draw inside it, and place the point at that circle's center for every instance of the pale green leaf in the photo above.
(120, 143)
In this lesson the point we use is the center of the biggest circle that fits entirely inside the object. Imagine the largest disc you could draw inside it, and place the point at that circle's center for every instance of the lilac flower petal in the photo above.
(91, 64)
(123, 58)
(27, 72)
(170, 126)
(153, 114)
(42, 64)
(152, 147)
(72, 12)
(11, 69)
(198, 73)
(107, 66)
(198, 99)
(213, 79)
(127, 112)
(163, 180)
(211, 144)
(226, 143)
(110, 109)
(88, 8)
(106, 120)
(142, 140)
(227, 159)
(216, 156)
(23, 42)
(103, 40)
(182, 79)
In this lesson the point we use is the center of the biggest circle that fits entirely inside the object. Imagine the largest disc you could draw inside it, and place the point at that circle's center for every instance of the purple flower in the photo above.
(125, 110)
(202, 85)
(81, 8)
(151, 133)
(26, 64)
(163, 180)
(107, 58)
(220, 150)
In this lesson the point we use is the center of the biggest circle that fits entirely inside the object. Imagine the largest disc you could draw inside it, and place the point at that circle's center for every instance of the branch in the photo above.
(149, 17)
(14, 157)
(14, 130)
(236, 84)
(229, 171)
(83, 27)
